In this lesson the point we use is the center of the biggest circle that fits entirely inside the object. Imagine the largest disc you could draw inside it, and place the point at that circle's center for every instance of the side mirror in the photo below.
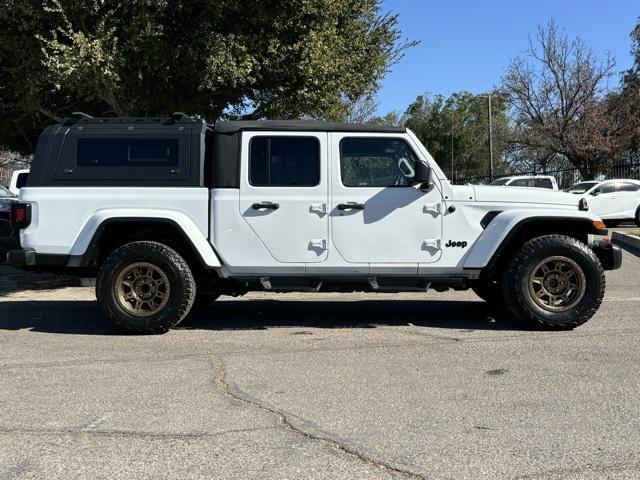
(422, 175)
(595, 193)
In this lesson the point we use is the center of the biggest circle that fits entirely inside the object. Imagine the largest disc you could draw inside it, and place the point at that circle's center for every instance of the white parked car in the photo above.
(612, 200)
(537, 181)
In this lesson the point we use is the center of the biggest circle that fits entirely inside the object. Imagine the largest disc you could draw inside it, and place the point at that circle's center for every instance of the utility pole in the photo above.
(451, 146)
(490, 142)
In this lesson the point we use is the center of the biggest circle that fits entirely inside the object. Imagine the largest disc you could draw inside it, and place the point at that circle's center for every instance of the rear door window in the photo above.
(605, 188)
(284, 161)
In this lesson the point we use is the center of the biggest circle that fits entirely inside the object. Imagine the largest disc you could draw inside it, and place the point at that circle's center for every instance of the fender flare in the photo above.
(505, 225)
(91, 233)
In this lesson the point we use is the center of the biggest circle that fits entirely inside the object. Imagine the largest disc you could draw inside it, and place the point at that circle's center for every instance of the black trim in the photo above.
(225, 161)
(486, 220)
(28, 258)
(303, 125)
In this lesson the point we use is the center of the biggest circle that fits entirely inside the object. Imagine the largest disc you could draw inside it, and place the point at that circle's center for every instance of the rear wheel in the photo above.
(145, 287)
(554, 282)
(638, 216)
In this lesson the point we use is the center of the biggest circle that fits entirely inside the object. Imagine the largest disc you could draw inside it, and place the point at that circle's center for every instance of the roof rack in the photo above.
(83, 118)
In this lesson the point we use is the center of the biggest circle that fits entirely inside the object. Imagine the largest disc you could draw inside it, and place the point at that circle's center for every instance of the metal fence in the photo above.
(5, 176)
(565, 176)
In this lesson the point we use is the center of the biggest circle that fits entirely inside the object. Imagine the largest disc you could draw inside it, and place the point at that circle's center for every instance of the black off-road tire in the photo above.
(515, 282)
(182, 287)
(489, 290)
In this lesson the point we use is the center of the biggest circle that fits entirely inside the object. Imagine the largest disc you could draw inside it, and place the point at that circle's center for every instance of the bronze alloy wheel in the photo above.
(557, 284)
(142, 289)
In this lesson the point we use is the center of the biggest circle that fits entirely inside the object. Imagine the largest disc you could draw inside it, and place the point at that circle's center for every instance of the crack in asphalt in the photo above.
(284, 417)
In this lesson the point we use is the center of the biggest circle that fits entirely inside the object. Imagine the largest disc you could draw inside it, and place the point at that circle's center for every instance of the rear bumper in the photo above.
(21, 258)
(29, 258)
(610, 255)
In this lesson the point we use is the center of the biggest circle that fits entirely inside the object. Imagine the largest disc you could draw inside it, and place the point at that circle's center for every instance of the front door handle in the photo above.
(351, 206)
(265, 206)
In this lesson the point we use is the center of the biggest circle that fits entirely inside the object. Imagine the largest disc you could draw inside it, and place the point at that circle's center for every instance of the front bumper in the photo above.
(610, 255)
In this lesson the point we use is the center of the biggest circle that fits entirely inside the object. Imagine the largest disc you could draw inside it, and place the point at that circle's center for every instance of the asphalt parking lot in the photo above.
(303, 386)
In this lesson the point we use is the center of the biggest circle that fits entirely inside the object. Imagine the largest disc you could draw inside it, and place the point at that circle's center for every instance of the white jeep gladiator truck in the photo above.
(164, 210)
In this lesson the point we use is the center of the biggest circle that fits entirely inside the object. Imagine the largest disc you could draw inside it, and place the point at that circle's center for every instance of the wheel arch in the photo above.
(101, 235)
(504, 232)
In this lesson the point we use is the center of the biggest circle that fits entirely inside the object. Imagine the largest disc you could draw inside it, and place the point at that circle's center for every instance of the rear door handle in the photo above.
(351, 206)
(265, 206)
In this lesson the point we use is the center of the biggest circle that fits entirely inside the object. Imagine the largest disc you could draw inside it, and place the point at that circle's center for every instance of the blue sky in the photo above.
(467, 45)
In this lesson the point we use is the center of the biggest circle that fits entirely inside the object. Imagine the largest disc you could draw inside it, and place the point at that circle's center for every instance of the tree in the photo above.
(434, 118)
(629, 96)
(216, 58)
(561, 105)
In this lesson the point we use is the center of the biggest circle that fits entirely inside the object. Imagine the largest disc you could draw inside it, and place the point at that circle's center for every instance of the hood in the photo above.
(500, 194)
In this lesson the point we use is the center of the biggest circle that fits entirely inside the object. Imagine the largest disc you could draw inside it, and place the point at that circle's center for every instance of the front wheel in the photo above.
(145, 287)
(554, 282)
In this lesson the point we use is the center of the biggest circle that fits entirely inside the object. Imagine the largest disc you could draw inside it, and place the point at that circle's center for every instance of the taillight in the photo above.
(20, 216)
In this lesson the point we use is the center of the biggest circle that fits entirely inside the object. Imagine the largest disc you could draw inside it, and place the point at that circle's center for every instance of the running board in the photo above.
(381, 284)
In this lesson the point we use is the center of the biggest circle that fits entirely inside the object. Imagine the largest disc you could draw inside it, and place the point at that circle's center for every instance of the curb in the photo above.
(629, 241)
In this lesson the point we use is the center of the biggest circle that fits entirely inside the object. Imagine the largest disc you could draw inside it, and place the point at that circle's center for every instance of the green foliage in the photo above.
(433, 119)
(215, 58)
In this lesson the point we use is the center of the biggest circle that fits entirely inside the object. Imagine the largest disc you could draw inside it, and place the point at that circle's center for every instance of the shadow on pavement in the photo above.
(14, 280)
(85, 318)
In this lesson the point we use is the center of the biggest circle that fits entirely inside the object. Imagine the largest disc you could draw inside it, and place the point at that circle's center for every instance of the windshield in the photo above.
(4, 193)
(500, 181)
(581, 187)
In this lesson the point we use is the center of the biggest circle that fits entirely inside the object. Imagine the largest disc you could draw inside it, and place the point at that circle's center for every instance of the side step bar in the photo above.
(380, 284)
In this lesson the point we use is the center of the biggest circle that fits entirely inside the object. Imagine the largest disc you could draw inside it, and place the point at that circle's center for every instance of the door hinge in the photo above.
(318, 244)
(432, 243)
(436, 207)
(318, 207)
